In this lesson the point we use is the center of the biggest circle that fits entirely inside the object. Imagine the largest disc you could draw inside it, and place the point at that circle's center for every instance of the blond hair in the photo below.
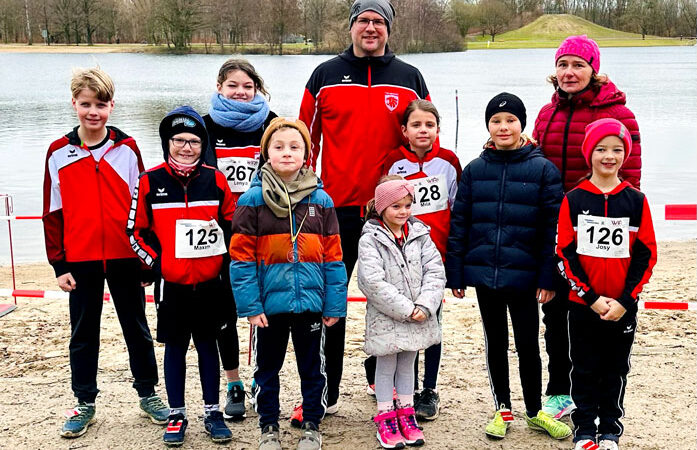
(370, 211)
(94, 79)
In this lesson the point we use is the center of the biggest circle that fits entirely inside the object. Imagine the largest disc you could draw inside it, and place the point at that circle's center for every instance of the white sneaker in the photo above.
(607, 444)
(370, 390)
(332, 409)
(586, 444)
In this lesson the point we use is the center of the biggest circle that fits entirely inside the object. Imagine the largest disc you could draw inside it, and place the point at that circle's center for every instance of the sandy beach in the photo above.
(660, 402)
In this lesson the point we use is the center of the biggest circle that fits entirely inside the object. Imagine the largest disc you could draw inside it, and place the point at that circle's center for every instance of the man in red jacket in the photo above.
(354, 104)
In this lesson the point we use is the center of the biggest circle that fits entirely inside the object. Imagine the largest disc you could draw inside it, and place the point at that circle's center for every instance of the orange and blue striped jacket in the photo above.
(272, 275)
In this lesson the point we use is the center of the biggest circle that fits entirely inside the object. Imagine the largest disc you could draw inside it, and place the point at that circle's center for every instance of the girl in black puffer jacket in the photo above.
(501, 242)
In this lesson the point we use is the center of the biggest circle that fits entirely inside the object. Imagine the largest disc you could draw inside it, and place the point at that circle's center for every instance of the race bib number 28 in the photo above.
(198, 239)
(603, 237)
(431, 195)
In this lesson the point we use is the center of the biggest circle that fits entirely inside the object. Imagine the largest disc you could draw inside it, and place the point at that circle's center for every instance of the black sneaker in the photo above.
(234, 405)
(215, 426)
(428, 406)
(174, 433)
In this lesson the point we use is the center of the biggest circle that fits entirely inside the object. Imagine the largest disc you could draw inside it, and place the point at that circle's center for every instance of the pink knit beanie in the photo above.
(583, 47)
(391, 192)
(601, 128)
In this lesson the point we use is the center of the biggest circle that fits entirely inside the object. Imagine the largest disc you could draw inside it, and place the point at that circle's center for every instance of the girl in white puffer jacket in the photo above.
(400, 271)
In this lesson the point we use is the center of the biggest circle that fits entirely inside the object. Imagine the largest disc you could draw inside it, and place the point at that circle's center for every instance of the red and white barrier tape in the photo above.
(680, 306)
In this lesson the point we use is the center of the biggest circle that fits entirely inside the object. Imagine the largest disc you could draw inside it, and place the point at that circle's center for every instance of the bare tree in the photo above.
(494, 17)
(465, 16)
(179, 18)
(282, 18)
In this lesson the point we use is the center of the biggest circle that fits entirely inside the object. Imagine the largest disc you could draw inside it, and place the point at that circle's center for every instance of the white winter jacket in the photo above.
(396, 280)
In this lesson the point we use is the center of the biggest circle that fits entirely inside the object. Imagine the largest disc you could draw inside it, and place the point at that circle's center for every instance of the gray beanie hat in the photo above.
(382, 7)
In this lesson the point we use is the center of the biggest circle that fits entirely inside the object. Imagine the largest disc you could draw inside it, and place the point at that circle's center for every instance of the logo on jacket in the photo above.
(400, 170)
(586, 212)
(311, 211)
(629, 329)
(391, 100)
(347, 79)
(219, 142)
(72, 153)
(160, 192)
(314, 327)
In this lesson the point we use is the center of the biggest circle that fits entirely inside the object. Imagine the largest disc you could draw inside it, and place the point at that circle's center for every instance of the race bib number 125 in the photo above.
(603, 237)
(198, 239)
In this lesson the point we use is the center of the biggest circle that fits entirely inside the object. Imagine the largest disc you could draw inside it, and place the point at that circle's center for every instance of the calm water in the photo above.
(661, 85)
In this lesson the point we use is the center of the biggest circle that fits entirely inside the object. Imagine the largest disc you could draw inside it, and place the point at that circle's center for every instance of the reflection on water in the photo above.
(35, 109)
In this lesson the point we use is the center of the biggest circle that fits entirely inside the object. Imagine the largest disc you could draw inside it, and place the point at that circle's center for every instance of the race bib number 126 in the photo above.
(603, 237)
(198, 239)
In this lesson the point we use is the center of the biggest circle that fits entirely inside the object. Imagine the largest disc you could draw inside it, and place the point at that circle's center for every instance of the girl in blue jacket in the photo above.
(501, 242)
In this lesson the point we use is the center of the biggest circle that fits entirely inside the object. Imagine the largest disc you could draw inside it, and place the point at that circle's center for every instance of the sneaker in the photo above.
(234, 405)
(154, 409)
(388, 433)
(332, 409)
(79, 419)
(608, 444)
(253, 391)
(558, 406)
(428, 405)
(311, 438)
(586, 444)
(412, 434)
(216, 428)
(545, 422)
(269, 439)
(296, 417)
(499, 424)
(370, 390)
(174, 433)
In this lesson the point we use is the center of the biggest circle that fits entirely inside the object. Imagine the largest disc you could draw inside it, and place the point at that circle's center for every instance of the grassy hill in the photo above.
(550, 29)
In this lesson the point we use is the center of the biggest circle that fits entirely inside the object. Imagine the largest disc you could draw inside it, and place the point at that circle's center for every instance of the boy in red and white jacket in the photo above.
(607, 247)
(90, 176)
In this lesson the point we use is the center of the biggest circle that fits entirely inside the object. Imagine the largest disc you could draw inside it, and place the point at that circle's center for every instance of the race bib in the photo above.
(603, 237)
(431, 195)
(239, 171)
(198, 239)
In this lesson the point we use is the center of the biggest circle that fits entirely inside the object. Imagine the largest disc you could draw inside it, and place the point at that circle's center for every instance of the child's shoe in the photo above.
(154, 408)
(370, 390)
(406, 417)
(311, 438)
(269, 439)
(79, 419)
(234, 404)
(558, 406)
(586, 444)
(174, 433)
(544, 422)
(388, 433)
(499, 424)
(608, 444)
(215, 426)
(428, 405)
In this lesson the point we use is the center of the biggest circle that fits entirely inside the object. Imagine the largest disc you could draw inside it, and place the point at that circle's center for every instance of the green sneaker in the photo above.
(79, 419)
(558, 406)
(499, 424)
(154, 409)
(544, 422)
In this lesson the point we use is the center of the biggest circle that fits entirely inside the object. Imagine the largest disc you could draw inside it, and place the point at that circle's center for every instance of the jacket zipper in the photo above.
(498, 225)
(566, 143)
(99, 193)
(295, 257)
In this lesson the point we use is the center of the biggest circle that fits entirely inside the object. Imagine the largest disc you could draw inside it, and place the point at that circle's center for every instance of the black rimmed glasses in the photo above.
(363, 22)
(181, 143)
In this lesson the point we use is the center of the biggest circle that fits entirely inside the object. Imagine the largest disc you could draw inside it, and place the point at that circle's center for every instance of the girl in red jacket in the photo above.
(607, 248)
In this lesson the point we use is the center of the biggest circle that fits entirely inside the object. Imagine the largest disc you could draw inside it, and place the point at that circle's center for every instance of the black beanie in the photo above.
(505, 102)
(183, 119)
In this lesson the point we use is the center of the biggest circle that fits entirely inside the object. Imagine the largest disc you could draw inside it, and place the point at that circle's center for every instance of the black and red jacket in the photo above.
(355, 106)
(87, 193)
(621, 279)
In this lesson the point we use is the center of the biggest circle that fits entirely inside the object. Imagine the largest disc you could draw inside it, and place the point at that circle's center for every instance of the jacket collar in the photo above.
(383, 60)
(416, 229)
(411, 156)
(527, 151)
(586, 185)
(603, 95)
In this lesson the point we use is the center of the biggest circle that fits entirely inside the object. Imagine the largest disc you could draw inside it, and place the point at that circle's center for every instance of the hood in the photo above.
(586, 185)
(185, 111)
(416, 229)
(349, 56)
(604, 95)
(526, 152)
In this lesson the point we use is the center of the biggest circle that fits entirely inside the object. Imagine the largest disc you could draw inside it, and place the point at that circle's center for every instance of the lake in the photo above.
(660, 82)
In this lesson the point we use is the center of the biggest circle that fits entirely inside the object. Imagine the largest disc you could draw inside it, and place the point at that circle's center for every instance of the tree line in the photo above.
(421, 25)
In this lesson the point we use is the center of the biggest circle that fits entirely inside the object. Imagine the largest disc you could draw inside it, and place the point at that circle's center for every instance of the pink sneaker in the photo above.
(388, 431)
(406, 417)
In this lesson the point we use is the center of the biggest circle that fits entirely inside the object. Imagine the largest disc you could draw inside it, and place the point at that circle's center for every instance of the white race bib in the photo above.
(239, 171)
(198, 239)
(603, 237)
(431, 195)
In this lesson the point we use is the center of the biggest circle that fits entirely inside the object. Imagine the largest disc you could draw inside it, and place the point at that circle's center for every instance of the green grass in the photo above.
(551, 29)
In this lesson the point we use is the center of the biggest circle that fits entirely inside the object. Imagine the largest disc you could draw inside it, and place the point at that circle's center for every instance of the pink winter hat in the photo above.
(601, 128)
(391, 192)
(583, 47)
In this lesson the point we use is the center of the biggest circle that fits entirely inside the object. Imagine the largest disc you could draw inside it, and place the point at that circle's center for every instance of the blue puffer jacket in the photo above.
(503, 224)
(272, 275)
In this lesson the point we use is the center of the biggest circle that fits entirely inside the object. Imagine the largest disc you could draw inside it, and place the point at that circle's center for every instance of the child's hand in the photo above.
(66, 282)
(543, 295)
(259, 320)
(418, 315)
(615, 312)
(601, 306)
(329, 321)
(458, 293)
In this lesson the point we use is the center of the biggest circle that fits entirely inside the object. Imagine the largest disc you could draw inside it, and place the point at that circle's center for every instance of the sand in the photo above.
(35, 378)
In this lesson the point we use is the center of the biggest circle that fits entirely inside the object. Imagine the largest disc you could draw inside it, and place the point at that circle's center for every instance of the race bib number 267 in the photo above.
(603, 237)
